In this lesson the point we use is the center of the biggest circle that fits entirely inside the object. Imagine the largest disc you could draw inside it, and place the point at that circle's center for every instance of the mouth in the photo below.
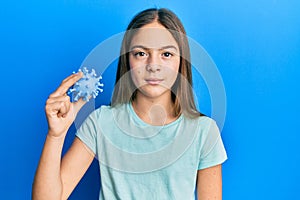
(153, 81)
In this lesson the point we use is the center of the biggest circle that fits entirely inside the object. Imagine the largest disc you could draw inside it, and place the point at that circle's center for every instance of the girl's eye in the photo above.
(167, 54)
(139, 54)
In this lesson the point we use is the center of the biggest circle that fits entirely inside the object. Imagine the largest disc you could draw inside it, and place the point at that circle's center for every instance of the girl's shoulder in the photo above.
(204, 124)
(107, 110)
(201, 119)
(96, 113)
(206, 120)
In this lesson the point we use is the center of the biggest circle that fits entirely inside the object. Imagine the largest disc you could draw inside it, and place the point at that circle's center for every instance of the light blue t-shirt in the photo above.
(141, 161)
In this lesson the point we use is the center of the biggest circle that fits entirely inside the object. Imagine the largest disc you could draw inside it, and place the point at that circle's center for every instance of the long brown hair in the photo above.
(182, 93)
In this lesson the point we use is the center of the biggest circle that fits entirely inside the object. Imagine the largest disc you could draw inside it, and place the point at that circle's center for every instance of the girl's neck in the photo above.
(154, 111)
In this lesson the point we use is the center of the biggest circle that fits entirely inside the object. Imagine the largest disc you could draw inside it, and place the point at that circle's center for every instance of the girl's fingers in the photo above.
(58, 108)
(59, 98)
(65, 98)
(66, 84)
(64, 109)
(69, 77)
(58, 103)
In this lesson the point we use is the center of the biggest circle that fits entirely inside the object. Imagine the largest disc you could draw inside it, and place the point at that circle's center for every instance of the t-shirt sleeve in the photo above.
(212, 151)
(87, 132)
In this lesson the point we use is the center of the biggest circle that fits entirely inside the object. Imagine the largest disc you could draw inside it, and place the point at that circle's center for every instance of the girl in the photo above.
(151, 142)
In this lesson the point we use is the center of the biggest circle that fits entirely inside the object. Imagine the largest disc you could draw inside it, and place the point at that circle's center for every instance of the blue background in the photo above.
(255, 44)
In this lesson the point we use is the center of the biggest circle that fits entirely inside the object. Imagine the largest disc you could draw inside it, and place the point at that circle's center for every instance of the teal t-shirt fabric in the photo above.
(141, 161)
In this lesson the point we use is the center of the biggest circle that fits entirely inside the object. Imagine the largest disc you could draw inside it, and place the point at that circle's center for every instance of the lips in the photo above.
(153, 81)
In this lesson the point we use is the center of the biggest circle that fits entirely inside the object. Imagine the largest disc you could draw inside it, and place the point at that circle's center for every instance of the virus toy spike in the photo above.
(88, 86)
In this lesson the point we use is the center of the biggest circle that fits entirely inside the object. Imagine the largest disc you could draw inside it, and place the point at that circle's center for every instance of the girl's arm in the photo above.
(209, 183)
(55, 178)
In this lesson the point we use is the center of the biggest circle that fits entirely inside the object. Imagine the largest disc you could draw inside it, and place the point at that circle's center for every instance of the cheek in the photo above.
(136, 75)
(173, 67)
(176, 64)
(172, 72)
(173, 64)
(131, 63)
(135, 68)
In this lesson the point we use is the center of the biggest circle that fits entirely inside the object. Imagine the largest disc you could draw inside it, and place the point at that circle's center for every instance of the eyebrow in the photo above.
(147, 48)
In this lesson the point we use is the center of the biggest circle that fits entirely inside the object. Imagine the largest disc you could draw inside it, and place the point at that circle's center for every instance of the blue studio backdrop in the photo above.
(254, 44)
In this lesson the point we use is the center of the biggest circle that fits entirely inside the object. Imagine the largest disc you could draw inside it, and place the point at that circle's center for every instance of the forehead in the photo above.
(153, 35)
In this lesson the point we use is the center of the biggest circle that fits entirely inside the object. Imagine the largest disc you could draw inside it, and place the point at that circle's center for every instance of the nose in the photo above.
(153, 64)
(153, 67)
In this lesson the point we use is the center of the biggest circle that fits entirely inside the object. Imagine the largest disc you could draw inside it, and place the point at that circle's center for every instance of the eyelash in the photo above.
(136, 54)
(169, 54)
(141, 54)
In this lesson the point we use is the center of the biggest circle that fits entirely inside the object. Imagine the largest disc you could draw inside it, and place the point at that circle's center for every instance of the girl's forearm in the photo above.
(47, 182)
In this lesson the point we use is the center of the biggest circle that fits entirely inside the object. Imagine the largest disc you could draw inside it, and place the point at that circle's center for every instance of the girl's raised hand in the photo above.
(60, 111)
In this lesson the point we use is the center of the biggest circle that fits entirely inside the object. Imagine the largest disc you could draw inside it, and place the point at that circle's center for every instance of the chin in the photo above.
(154, 92)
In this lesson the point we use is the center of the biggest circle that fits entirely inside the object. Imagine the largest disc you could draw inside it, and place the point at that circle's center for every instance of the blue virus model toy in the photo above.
(88, 86)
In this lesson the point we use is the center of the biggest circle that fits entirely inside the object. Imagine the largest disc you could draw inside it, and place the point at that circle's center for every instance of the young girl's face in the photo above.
(154, 60)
